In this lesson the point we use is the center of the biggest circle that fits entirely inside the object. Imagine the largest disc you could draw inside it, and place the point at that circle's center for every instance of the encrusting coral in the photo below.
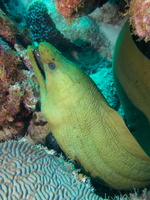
(17, 98)
(38, 128)
(8, 28)
(139, 12)
(77, 8)
(55, 29)
(29, 172)
(10, 31)
(18, 91)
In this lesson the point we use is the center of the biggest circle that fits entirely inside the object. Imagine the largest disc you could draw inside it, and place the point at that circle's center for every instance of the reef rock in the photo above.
(38, 128)
(17, 98)
(77, 8)
(139, 12)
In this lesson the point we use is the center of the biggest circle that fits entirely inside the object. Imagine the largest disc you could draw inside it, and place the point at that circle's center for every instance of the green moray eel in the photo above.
(89, 132)
(132, 78)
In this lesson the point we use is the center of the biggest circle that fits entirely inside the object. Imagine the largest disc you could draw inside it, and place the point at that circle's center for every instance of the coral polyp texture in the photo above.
(17, 89)
(139, 13)
(28, 172)
(10, 31)
(77, 8)
(7, 28)
(39, 22)
(42, 26)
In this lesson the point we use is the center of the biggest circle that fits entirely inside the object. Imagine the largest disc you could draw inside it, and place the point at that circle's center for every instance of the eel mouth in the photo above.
(39, 62)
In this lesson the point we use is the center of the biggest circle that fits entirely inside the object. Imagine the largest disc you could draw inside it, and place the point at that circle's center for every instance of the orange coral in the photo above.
(76, 8)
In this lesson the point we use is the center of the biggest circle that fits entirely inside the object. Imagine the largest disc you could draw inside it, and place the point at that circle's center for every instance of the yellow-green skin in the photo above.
(86, 128)
(132, 78)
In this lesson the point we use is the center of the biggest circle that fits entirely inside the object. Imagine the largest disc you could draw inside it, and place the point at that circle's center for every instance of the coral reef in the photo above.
(19, 91)
(136, 195)
(28, 172)
(39, 132)
(77, 8)
(18, 6)
(140, 18)
(43, 28)
(8, 28)
(51, 143)
(79, 31)
(91, 47)
(11, 33)
(17, 98)
(38, 128)
(88, 56)
(95, 34)
(39, 22)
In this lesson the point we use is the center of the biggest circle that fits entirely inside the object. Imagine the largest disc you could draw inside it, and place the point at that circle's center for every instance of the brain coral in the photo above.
(28, 172)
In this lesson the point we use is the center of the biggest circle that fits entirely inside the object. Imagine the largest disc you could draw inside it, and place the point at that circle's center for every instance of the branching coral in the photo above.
(139, 13)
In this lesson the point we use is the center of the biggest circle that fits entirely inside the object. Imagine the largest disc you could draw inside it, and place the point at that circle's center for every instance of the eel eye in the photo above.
(51, 65)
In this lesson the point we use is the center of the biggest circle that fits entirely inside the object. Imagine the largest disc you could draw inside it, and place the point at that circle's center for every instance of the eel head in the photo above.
(53, 70)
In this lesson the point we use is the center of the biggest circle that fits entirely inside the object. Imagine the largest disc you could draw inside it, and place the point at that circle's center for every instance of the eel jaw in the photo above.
(39, 62)
(37, 66)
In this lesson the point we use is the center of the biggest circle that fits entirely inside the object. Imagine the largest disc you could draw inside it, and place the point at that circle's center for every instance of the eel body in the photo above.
(86, 128)
(132, 78)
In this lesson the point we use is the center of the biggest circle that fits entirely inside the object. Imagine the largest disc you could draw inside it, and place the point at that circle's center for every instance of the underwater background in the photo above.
(86, 36)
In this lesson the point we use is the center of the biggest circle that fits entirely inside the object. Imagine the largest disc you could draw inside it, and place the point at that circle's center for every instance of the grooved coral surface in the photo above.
(28, 172)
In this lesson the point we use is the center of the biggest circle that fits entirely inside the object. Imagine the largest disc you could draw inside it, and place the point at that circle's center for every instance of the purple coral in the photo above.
(139, 12)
